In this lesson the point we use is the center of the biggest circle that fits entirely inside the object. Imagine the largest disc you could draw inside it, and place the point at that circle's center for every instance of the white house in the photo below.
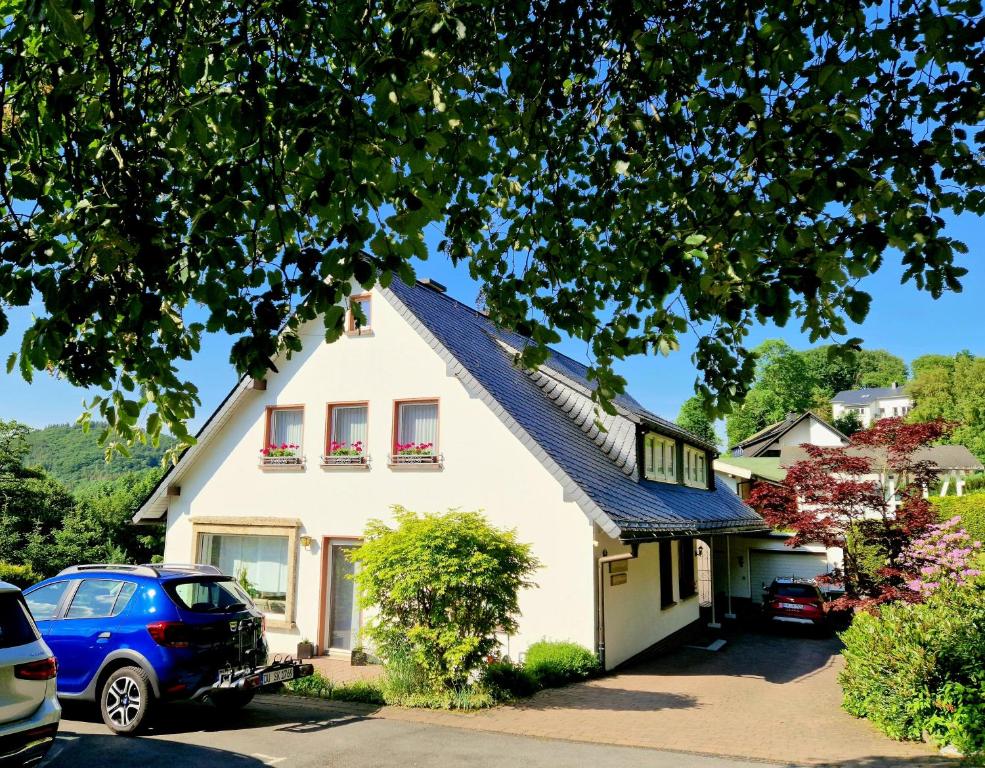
(872, 404)
(443, 418)
(749, 563)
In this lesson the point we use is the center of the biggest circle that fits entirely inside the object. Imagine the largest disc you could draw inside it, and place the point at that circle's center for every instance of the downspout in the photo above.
(603, 561)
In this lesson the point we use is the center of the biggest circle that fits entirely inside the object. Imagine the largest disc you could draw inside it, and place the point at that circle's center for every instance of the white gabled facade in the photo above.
(222, 501)
(485, 467)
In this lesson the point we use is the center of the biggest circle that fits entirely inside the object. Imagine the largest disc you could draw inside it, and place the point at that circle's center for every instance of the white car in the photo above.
(29, 710)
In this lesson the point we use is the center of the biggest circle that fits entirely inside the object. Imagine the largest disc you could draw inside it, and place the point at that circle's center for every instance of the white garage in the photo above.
(766, 565)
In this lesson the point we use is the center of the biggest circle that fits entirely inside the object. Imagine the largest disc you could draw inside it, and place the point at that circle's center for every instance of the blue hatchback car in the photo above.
(129, 636)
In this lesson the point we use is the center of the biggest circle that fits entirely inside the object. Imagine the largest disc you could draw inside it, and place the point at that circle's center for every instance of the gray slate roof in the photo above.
(944, 456)
(867, 396)
(552, 406)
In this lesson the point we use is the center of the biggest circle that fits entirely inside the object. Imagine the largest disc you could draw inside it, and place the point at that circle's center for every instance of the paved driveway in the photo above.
(764, 696)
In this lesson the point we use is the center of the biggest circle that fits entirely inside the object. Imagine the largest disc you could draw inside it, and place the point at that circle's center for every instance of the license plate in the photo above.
(277, 676)
(792, 606)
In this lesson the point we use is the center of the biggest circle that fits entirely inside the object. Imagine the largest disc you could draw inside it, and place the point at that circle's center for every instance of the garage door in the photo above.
(764, 566)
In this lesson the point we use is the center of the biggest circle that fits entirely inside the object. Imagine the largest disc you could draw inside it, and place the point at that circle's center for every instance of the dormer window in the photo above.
(658, 458)
(360, 305)
(695, 467)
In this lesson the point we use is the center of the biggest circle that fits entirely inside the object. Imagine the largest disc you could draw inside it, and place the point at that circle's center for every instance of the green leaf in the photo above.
(63, 21)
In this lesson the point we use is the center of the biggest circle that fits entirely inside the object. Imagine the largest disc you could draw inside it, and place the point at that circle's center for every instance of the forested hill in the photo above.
(74, 457)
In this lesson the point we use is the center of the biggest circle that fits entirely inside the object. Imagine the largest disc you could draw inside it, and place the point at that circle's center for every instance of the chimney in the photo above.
(434, 285)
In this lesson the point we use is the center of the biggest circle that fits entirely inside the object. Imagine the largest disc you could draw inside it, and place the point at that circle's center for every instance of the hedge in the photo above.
(971, 509)
(19, 575)
(915, 669)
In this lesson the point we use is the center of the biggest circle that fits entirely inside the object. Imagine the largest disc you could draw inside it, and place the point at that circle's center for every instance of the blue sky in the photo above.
(903, 320)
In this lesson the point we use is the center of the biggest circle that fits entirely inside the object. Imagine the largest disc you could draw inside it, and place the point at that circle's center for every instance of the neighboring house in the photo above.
(795, 429)
(444, 418)
(756, 559)
(872, 404)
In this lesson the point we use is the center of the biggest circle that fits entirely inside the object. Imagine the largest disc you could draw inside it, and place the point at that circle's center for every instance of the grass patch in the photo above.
(317, 686)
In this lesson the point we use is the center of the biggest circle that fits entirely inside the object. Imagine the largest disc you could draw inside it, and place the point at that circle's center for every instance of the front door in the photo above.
(343, 612)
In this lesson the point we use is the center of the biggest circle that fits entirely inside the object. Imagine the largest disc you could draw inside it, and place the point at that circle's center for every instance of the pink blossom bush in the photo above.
(414, 449)
(342, 448)
(944, 553)
(274, 451)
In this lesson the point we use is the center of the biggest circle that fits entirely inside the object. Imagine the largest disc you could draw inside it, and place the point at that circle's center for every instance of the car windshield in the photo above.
(795, 590)
(208, 595)
(16, 627)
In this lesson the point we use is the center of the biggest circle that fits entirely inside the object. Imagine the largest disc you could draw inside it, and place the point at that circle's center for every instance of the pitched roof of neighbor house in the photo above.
(868, 395)
(550, 410)
(765, 437)
(946, 457)
(753, 467)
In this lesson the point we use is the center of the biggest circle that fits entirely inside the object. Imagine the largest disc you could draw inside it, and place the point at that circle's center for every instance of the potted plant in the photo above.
(343, 453)
(414, 453)
(358, 656)
(306, 649)
(285, 453)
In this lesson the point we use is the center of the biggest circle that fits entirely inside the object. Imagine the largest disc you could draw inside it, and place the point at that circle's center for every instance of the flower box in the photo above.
(343, 460)
(281, 461)
(413, 458)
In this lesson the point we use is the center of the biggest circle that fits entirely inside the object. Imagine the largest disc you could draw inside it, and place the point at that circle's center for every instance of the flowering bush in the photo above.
(944, 553)
(336, 448)
(415, 449)
(273, 451)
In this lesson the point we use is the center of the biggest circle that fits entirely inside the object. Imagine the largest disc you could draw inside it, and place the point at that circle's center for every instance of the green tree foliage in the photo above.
(74, 457)
(32, 505)
(789, 381)
(616, 171)
(952, 389)
(783, 386)
(879, 368)
(848, 423)
(694, 418)
(442, 586)
(99, 528)
(44, 528)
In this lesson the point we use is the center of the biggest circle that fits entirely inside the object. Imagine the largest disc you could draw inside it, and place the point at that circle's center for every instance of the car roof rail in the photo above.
(142, 570)
(194, 567)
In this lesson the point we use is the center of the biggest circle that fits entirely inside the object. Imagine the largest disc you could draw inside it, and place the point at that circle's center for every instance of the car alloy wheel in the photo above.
(125, 700)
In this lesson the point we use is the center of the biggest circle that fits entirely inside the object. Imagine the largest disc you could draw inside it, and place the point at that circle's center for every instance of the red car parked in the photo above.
(796, 601)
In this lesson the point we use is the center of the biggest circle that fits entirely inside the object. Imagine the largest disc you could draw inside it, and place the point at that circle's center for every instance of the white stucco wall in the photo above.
(634, 620)
(485, 467)
(809, 431)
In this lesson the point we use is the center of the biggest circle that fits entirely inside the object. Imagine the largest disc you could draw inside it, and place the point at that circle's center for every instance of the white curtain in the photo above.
(349, 425)
(285, 427)
(418, 423)
(263, 559)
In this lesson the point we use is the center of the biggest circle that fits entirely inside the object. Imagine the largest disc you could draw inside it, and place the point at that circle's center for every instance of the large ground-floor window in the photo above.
(260, 554)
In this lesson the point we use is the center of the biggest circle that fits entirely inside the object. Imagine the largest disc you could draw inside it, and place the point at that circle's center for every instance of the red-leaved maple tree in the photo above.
(867, 498)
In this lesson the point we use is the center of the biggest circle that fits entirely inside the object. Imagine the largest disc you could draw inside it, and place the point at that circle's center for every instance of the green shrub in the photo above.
(507, 680)
(317, 686)
(19, 575)
(970, 508)
(441, 586)
(915, 668)
(553, 663)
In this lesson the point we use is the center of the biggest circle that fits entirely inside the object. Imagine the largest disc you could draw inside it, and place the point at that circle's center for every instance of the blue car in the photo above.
(129, 636)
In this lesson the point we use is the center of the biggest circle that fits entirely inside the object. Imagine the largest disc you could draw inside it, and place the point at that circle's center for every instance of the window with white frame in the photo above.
(415, 439)
(284, 433)
(258, 563)
(695, 469)
(347, 433)
(659, 456)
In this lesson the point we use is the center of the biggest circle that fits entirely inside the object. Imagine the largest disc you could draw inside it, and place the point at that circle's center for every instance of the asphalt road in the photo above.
(293, 733)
